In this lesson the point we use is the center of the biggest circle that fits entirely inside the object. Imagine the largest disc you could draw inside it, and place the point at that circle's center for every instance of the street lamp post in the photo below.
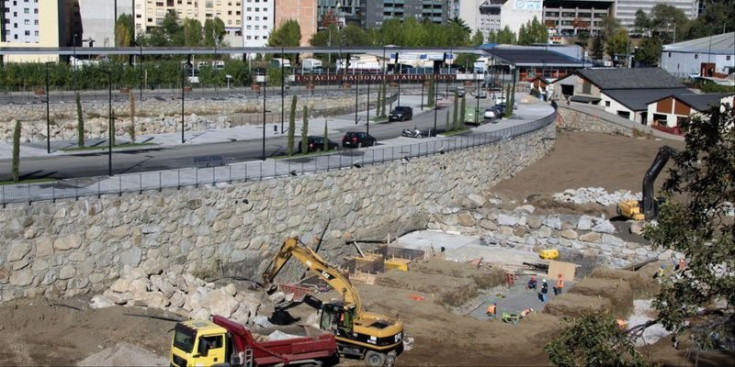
(477, 97)
(140, 67)
(109, 128)
(357, 91)
(283, 90)
(182, 104)
(368, 107)
(265, 84)
(436, 106)
(48, 120)
(74, 62)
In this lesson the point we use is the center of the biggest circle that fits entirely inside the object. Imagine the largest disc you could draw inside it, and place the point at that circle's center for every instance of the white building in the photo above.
(686, 58)
(21, 21)
(97, 18)
(258, 22)
(625, 9)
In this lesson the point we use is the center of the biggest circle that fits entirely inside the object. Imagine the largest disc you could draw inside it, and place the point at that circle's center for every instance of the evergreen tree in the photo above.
(131, 130)
(16, 151)
(305, 131)
(430, 96)
(598, 48)
(291, 127)
(326, 136)
(80, 121)
(462, 112)
(508, 109)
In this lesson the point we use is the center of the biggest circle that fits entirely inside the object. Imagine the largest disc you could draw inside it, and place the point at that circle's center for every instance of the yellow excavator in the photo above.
(647, 209)
(375, 338)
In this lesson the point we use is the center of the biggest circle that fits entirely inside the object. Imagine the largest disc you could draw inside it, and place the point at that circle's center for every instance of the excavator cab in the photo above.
(338, 317)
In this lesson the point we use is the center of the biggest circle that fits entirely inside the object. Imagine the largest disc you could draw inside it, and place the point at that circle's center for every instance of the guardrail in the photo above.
(256, 170)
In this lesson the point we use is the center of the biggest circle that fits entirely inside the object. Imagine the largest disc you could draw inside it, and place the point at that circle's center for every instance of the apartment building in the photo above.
(303, 11)
(35, 23)
(346, 11)
(566, 18)
(625, 9)
(258, 22)
(150, 13)
(376, 11)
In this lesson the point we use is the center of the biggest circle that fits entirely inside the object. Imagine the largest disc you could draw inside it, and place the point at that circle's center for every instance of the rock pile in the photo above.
(599, 195)
(185, 295)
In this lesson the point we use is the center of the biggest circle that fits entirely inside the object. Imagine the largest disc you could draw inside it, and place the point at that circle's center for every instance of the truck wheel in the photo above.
(374, 359)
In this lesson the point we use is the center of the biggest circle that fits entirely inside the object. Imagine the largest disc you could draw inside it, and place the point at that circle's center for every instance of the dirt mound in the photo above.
(484, 278)
(575, 305)
(618, 292)
(641, 284)
(124, 354)
(450, 291)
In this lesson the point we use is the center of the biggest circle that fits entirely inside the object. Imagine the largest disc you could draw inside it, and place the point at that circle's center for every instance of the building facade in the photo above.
(150, 14)
(303, 11)
(257, 22)
(36, 23)
(96, 21)
(625, 9)
(376, 11)
(566, 18)
(716, 53)
(346, 11)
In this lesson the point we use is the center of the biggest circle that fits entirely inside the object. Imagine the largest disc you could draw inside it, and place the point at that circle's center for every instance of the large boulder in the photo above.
(218, 302)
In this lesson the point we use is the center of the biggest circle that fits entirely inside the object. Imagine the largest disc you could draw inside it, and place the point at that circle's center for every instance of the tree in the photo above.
(618, 43)
(694, 221)
(305, 131)
(649, 51)
(287, 34)
(477, 38)
(172, 29)
(214, 32)
(533, 32)
(593, 340)
(291, 126)
(124, 27)
(508, 110)
(641, 23)
(668, 21)
(598, 48)
(430, 96)
(192, 29)
(505, 37)
(326, 136)
(609, 26)
(463, 111)
(715, 19)
(16, 152)
(80, 121)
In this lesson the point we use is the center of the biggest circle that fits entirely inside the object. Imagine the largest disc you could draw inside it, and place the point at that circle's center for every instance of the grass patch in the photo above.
(105, 147)
(30, 181)
(456, 132)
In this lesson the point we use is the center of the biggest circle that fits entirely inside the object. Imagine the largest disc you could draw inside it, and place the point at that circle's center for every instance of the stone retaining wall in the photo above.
(66, 248)
(580, 121)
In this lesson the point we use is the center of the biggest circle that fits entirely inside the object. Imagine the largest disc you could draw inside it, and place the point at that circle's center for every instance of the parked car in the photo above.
(316, 144)
(490, 113)
(358, 139)
(480, 93)
(401, 113)
(460, 92)
(499, 100)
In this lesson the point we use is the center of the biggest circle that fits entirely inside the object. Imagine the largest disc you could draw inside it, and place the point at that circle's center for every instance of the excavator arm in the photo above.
(664, 154)
(294, 247)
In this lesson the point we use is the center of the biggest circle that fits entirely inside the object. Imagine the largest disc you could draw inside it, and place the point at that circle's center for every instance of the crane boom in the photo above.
(294, 247)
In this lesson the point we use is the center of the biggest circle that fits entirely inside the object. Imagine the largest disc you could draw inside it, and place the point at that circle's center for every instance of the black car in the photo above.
(358, 139)
(401, 113)
(316, 144)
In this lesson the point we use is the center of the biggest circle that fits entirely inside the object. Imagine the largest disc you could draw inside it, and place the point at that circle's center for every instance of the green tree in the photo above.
(274, 76)
(192, 29)
(649, 51)
(508, 109)
(291, 126)
(430, 96)
(477, 38)
(533, 32)
(618, 43)
(523, 38)
(492, 37)
(15, 165)
(124, 30)
(505, 37)
(593, 340)
(326, 137)
(463, 111)
(455, 110)
(597, 51)
(287, 34)
(716, 18)
(694, 221)
(669, 22)
(305, 131)
(172, 29)
(80, 121)
(642, 23)
(609, 26)
(214, 32)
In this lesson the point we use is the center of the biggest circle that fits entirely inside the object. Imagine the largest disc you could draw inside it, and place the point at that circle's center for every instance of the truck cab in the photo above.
(199, 343)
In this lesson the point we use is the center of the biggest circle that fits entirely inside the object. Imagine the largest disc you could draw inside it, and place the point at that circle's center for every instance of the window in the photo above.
(27, 33)
(35, 33)
(26, 11)
(696, 56)
(669, 54)
(27, 22)
(727, 58)
(607, 103)
(35, 22)
(237, 22)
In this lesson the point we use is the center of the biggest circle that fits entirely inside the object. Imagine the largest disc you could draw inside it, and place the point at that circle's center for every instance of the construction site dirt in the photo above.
(449, 329)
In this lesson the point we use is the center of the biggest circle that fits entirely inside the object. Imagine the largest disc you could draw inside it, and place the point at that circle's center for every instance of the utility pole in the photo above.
(110, 132)
(283, 86)
(48, 120)
(182, 105)
(265, 84)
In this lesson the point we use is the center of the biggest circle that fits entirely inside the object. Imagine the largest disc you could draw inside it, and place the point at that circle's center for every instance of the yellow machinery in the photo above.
(396, 263)
(549, 254)
(647, 209)
(371, 336)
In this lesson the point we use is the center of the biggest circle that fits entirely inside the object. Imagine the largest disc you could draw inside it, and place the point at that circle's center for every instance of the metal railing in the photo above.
(257, 170)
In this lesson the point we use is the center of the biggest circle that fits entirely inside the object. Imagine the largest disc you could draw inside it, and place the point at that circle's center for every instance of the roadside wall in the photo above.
(580, 121)
(66, 248)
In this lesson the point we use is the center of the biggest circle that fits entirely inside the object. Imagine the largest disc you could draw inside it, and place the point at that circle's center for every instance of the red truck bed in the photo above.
(308, 343)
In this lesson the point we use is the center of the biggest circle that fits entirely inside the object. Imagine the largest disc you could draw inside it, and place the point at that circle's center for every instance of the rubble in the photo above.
(599, 195)
(184, 295)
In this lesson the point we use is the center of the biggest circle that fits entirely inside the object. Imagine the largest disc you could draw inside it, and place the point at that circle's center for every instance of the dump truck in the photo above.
(376, 338)
(225, 342)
